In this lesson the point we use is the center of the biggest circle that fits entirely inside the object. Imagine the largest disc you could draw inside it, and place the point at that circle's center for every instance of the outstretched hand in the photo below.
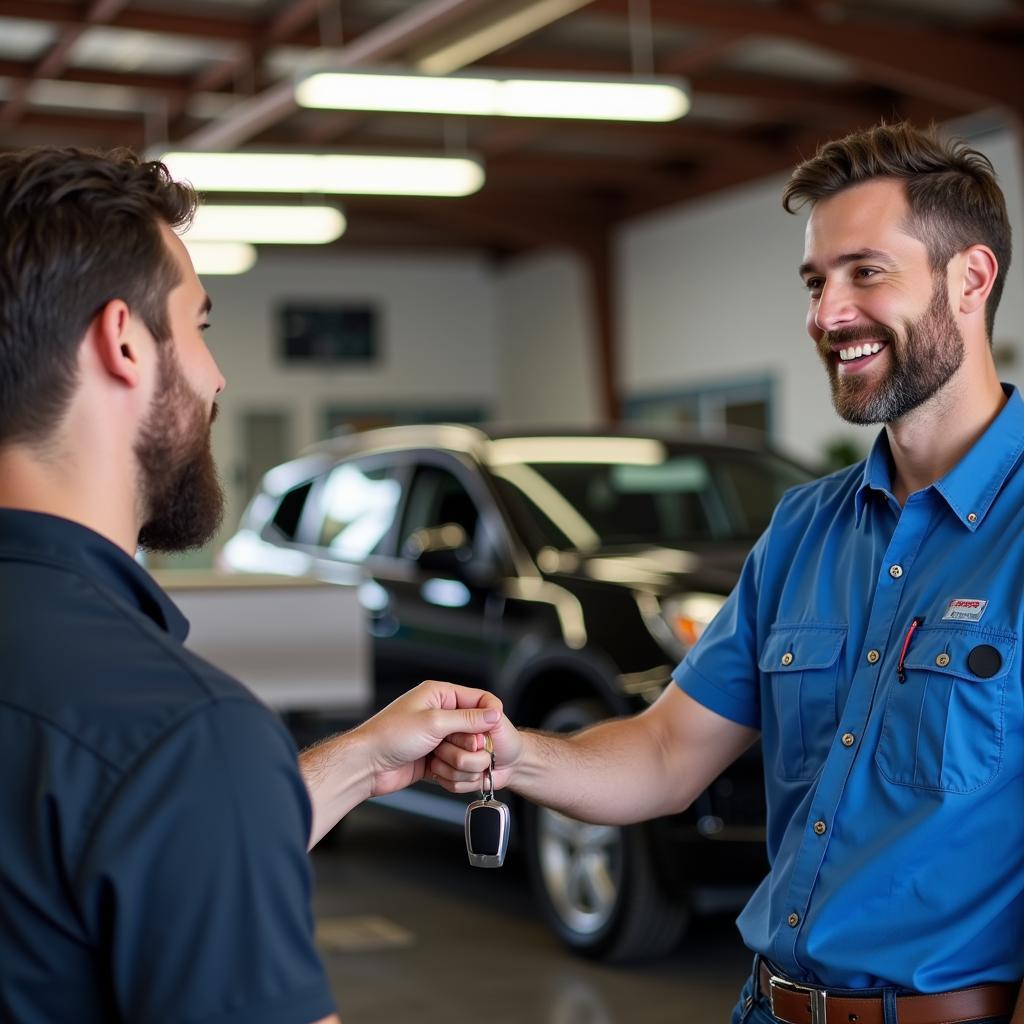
(459, 762)
(403, 736)
(390, 751)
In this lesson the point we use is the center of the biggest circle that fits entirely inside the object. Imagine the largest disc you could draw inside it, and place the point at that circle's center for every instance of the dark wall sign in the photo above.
(326, 333)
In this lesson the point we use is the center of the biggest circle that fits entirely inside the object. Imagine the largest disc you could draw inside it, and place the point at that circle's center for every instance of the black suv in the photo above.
(568, 573)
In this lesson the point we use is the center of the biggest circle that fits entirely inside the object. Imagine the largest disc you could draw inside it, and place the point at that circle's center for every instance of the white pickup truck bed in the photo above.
(298, 644)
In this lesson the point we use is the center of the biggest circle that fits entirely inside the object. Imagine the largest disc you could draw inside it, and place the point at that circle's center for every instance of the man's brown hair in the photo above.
(954, 199)
(77, 230)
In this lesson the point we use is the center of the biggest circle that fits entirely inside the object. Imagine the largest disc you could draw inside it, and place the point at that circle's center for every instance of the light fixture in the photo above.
(221, 257)
(603, 98)
(281, 225)
(328, 174)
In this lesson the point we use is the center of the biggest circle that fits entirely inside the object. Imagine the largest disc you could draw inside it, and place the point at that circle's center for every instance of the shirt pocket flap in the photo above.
(799, 648)
(948, 650)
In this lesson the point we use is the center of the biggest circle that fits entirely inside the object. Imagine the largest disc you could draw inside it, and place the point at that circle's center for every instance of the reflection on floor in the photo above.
(412, 935)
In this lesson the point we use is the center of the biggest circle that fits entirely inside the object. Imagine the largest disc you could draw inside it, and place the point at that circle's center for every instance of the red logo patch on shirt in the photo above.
(965, 609)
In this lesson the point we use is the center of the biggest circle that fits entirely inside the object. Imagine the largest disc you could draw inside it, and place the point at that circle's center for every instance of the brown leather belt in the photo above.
(809, 1004)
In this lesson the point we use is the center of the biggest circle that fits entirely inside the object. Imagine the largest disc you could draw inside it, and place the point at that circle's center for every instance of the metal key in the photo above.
(487, 826)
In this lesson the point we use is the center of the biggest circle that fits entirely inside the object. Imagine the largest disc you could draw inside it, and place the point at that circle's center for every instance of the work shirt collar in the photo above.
(971, 485)
(35, 536)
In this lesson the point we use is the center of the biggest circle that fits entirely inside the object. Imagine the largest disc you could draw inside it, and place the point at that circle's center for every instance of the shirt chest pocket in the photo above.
(943, 726)
(801, 666)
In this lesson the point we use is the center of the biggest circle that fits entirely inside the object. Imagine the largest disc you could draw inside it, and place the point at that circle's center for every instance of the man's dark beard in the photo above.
(183, 499)
(931, 352)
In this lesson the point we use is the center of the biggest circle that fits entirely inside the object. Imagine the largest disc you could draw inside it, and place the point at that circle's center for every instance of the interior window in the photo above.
(437, 498)
(359, 506)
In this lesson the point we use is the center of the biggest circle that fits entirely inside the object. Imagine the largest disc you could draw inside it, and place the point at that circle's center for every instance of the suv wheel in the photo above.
(597, 884)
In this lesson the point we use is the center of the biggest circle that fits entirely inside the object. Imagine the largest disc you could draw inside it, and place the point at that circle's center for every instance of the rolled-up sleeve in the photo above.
(720, 672)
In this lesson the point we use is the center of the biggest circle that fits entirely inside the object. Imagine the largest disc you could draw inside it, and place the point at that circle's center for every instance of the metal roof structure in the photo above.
(769, 81)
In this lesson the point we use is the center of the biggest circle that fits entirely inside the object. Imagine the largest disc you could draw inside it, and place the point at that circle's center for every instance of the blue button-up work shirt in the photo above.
(895, 791)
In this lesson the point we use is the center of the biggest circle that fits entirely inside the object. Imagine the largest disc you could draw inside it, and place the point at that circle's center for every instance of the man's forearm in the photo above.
(337, 777)
(630, 769)
(611, 773)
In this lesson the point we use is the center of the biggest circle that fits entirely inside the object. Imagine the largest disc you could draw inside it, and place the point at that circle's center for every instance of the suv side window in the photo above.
(359, 502)
(438, 497)
(289, 510)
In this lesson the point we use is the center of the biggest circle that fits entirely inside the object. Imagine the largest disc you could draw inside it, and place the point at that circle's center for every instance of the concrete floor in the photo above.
(412, 935)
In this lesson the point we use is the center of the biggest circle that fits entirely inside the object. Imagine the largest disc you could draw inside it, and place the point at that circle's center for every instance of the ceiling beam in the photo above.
(393, 37)
(688, 60)
(956, 66)
(39, 128)
(489, 23)
(196, 26)
(55, 59)
(20, 70)
(722, 170)
(282, 28)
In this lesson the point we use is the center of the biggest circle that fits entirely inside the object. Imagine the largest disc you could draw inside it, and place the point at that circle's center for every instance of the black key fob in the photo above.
(487, 828)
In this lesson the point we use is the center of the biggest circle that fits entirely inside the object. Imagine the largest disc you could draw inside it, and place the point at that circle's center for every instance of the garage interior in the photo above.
(604, 272)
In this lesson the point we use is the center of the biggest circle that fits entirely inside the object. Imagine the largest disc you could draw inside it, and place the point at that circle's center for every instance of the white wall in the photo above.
(709, 291)
(547, 369)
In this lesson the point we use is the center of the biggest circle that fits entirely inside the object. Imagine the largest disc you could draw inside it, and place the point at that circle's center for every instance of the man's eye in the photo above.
(813, 284)
(865, 272)
(205, 327)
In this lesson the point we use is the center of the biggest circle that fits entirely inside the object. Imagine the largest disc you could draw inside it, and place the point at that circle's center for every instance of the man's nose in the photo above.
(835, 307)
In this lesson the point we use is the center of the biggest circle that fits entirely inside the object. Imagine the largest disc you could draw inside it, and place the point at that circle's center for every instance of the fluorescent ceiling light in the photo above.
(221, 257)
(284, 225)
(605, 99)
(328, 174)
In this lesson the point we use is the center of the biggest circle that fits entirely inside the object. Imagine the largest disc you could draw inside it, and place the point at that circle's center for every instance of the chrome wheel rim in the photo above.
(582, 869)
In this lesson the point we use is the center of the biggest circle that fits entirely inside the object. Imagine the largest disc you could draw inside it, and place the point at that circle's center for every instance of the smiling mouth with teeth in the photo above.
(847, 355)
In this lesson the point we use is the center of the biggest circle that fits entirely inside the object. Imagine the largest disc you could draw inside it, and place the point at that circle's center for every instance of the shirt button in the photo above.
(848, 739)
(942, 660)
(793, 920)
(820, 828)
(895, 571)
(787, 658)
(972, 517)
(873, 656)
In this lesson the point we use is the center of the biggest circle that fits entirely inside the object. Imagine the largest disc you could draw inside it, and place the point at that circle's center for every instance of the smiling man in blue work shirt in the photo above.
(873, 640)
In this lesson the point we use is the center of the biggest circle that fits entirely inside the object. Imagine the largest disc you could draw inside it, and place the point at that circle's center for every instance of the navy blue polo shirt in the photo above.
(153, 821)
(877, 648)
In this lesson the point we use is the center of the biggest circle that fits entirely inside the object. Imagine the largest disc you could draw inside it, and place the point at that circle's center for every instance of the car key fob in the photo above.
(487, 828)
(487, 831)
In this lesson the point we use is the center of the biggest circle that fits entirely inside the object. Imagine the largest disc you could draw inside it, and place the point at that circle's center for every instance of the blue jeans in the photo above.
(754, 1009)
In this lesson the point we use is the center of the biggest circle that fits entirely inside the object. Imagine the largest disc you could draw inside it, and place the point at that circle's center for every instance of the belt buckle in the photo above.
(817, 996)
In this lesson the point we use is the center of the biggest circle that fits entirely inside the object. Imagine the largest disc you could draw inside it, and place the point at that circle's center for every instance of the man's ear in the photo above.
(115, 336)
(979, 275)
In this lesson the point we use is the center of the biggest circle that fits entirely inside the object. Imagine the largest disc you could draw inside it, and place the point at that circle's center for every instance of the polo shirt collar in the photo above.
(970, 487)
(35, 536)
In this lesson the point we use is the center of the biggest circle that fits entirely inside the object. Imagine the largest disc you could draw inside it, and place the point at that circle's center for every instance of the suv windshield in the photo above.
(663, 496)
